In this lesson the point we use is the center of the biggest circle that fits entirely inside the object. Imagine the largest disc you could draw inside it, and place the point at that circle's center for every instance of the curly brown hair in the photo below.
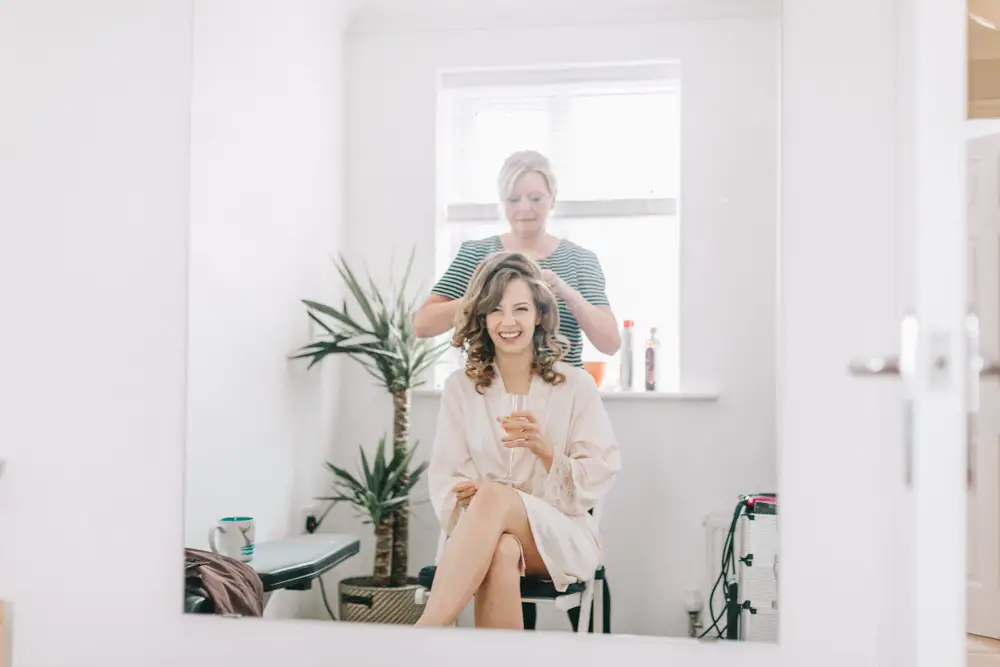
(485, 291)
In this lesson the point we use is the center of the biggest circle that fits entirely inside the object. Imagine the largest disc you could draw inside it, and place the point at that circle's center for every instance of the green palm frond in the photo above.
(384, 343)
(375, 491)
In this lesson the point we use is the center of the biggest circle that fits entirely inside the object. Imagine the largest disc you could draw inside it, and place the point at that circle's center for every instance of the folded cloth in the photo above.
(232, 587)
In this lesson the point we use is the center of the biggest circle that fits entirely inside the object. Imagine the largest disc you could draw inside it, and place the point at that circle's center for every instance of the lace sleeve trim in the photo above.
(560, 482)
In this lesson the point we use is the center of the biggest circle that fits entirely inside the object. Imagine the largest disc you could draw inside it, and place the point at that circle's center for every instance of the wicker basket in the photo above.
(362, 601)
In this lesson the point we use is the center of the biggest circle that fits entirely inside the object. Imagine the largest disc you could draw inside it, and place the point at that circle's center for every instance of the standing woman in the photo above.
(528, 192)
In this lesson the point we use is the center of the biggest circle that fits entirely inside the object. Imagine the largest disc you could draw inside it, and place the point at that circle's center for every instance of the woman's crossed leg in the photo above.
(483, 559)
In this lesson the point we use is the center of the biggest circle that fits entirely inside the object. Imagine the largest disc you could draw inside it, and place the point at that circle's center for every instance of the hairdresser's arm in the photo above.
(435, 316)
(598, 322)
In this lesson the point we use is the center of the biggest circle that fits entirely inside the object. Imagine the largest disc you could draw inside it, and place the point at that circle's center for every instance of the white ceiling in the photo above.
(401, 15)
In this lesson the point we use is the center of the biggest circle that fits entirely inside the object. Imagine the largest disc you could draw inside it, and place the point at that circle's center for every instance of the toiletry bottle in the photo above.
(652, 347)
(625, 371)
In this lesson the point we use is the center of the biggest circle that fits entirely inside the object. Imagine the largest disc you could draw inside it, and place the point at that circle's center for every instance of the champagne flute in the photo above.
(512, 403)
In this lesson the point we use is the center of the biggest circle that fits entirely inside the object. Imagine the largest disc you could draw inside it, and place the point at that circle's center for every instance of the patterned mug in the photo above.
(233, 536)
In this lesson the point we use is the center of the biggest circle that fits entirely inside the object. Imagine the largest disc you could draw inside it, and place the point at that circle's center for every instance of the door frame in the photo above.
(983, 596)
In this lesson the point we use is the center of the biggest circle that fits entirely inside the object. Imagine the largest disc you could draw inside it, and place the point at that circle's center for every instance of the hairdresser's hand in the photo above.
(555, 283)
(464, 492)
(522, 430)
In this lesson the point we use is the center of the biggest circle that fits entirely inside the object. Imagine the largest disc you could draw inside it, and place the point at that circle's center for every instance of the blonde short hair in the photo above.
(520, 163)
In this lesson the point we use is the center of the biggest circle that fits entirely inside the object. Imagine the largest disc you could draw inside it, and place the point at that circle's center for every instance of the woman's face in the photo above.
(512, 323)
(528, 205)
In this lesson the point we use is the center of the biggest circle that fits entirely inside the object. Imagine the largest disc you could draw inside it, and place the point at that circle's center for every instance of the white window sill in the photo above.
(667, 395)
(683, 395)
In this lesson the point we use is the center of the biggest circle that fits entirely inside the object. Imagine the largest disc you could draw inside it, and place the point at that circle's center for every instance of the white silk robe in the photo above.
(468, 447)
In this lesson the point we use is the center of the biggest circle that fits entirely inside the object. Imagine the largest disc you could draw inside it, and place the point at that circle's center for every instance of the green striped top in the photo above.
(578, 267)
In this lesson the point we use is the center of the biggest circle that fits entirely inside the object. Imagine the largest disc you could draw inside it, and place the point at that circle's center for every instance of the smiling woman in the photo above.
(508, 314)
(534, 517)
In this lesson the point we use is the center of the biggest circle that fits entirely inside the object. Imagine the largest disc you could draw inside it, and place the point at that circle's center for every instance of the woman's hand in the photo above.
(556, 284)
(464, 492)
(522, 430)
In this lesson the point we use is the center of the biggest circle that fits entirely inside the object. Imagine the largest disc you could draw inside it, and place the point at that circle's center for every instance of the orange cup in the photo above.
(596, 370)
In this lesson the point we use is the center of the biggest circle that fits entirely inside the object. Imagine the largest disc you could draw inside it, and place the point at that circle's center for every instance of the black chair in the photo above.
(535, 591)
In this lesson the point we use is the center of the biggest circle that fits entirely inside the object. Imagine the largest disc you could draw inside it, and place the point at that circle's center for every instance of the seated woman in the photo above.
(565, 453)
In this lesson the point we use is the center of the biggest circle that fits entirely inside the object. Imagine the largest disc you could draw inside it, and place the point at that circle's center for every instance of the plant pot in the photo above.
(362, 600)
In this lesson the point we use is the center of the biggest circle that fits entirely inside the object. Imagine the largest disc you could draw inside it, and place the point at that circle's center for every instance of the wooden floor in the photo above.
(983, 652)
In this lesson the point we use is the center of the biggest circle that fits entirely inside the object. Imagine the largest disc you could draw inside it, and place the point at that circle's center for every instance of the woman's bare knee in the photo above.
(495, 499)
(494, 492)
(502, 507)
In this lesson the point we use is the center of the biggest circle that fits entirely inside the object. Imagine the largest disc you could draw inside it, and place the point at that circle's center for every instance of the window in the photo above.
(612, 133)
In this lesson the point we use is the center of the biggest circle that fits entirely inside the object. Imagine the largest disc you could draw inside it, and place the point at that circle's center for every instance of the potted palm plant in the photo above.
(383, 341)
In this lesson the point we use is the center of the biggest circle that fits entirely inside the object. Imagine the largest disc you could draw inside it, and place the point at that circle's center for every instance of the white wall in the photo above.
(93, 215)
(265, 222)
(683, 460)
(95, 175)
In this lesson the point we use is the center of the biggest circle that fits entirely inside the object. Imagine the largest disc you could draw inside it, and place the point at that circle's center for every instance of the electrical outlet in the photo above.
(305, 514)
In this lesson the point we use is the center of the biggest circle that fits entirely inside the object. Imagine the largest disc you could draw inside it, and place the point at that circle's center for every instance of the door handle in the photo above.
(903, 366)
(979, 369)
(873, 367)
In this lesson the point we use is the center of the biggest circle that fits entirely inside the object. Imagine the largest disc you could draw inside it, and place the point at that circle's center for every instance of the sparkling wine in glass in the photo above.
(512, 403)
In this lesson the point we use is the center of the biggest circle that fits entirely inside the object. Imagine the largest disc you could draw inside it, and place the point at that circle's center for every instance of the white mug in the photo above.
(233, 536)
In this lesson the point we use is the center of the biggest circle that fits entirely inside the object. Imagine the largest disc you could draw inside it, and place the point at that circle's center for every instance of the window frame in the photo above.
(461, 92)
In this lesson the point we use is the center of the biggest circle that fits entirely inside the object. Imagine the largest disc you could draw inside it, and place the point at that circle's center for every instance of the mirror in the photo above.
(630, 151)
